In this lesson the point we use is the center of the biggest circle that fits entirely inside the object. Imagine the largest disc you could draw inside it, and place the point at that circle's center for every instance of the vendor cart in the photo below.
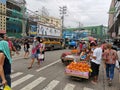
(80, 73)
(68, 57)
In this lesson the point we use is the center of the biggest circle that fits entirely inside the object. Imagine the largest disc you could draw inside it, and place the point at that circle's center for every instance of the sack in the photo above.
(7, 88)
(40, 56)
(117, 64)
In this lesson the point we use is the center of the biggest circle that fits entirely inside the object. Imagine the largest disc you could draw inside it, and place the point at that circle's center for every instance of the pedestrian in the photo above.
(83, 55)
(5, 62)
(34, 55)
(42, 48)
(10, 44)
(96, 58)
(26, 49)
(110, 57)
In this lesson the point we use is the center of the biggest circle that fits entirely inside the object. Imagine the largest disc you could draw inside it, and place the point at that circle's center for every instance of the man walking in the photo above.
(96, 58)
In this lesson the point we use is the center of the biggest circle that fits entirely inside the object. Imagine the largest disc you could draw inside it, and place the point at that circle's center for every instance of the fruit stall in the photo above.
(78, 69)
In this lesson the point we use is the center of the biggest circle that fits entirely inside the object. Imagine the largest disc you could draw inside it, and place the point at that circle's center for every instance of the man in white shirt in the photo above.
(96, 59)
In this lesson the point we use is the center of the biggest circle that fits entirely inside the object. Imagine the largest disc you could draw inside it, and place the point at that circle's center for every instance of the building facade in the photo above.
(114, 20)
(46, 26)
(15, 20)
(2, 16)
(99, 32)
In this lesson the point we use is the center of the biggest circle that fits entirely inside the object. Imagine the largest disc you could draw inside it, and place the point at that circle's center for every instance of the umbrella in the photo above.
(89, 38)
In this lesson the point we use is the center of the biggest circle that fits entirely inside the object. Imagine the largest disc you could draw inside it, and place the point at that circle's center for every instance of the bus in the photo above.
(53, 43)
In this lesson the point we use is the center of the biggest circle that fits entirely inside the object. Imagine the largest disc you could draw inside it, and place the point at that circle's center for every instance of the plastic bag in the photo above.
(117, 64)
(40, 56)
(7, 88)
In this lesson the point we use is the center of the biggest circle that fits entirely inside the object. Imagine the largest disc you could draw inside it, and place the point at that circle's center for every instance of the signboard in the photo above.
(44, 30)
(33, 30)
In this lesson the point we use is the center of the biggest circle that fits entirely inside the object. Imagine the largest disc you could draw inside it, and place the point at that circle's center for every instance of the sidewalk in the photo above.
(103, 84)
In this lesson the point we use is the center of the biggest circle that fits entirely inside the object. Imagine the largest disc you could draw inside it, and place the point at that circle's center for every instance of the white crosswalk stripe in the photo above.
(33, 84)
(16, 74)
(51, 85)
(69, 87)
(47, 66)
(21, 80)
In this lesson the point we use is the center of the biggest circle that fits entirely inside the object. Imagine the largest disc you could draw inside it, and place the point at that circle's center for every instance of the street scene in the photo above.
(59, 45)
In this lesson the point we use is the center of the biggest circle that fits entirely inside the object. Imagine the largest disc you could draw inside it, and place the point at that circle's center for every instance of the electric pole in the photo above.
(62, 13)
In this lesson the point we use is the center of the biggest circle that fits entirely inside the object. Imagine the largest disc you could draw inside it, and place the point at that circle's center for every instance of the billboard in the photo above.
(33, 30)
(44, 30)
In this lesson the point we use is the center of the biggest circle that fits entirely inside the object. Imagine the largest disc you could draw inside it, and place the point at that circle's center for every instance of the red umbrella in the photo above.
(91, 38)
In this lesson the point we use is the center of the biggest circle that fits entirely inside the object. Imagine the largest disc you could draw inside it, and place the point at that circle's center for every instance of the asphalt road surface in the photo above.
(49, 76)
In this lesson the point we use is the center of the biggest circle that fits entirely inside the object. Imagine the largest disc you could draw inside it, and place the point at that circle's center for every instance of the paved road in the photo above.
(50, 75)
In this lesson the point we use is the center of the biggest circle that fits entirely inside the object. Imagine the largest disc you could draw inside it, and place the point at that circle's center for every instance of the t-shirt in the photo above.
(98, 54)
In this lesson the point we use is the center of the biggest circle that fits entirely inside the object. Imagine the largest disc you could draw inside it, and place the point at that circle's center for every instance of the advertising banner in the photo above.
(33, 30)
(44, 30)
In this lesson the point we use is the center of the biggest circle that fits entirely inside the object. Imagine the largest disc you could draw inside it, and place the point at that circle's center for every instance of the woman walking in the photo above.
(26, 49)
(34, 55)
(110, 57)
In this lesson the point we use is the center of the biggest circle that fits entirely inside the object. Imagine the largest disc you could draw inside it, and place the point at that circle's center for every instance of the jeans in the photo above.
(110, 71)
(8, 78)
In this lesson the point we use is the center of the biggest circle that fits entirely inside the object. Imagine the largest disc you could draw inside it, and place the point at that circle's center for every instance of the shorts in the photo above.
(95, 69)
(34, 56)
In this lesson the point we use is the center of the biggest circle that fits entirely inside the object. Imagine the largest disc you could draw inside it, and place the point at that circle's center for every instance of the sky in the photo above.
(79, 12)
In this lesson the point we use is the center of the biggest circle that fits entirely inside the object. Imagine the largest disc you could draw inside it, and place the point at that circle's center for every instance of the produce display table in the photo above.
(77, 73)
(78, 69)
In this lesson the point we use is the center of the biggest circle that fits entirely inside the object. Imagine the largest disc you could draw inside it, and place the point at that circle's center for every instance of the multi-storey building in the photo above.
(3, 16)
(15, 21)
(46, 26)
(114, 19)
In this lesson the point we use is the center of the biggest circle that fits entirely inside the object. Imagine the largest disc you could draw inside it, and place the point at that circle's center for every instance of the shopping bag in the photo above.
(40, 56)
(7, 88)
(117, 64)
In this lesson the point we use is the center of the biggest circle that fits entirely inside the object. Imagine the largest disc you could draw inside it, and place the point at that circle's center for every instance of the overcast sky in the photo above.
(87, 12)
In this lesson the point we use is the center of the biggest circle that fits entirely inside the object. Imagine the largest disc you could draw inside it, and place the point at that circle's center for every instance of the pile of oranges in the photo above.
(74, 51)
(79, 66)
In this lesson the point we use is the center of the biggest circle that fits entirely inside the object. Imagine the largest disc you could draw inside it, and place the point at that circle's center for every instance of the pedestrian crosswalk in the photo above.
(34, 83)
(21, 78)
